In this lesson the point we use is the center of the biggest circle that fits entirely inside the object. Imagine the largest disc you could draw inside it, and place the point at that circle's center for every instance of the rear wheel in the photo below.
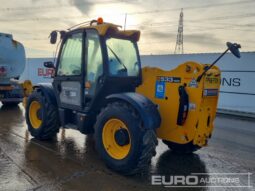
(182, 148)
(41, 116)
(121, 140)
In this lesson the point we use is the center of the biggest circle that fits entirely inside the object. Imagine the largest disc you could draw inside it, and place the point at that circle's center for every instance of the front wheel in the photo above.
(123, 143)
(41, 116)
(187, 148)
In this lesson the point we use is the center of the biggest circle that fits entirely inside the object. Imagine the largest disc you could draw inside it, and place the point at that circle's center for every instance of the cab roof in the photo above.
(112, 29)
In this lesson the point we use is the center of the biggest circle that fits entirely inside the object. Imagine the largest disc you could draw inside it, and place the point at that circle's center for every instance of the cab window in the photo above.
(71, 56)
(123, 57)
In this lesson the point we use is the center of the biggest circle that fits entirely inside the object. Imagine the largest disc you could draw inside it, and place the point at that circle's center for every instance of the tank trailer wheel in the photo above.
(121, 140)
(41, 116)
(11, 104)
(187, 148)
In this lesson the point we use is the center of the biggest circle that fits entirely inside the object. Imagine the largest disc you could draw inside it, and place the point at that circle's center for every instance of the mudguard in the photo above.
(145, 107)
(48, 91)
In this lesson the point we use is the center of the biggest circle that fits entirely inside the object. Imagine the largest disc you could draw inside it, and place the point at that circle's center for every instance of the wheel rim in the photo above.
(116, 151)
(34, 118)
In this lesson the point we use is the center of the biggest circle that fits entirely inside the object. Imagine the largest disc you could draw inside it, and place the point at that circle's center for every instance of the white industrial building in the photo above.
(238, 75)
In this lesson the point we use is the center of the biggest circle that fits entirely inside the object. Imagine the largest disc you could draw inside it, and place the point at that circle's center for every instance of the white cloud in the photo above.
(207, 24)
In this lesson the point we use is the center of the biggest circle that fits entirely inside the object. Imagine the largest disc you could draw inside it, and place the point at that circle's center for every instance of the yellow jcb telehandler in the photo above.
(100, 88)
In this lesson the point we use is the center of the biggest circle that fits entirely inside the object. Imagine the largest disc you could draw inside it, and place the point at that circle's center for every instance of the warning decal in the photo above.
(160, 90)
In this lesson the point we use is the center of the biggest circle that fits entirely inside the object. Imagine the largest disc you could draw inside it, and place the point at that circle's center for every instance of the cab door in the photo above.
(69, 79)
(94, 64)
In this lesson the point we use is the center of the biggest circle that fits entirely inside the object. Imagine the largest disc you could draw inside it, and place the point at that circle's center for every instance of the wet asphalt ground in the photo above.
(71, 163)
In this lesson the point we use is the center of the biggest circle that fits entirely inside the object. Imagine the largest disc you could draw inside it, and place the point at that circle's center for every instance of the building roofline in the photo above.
(201, 53)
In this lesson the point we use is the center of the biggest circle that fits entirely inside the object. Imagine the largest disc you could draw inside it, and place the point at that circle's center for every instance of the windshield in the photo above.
(123, 58)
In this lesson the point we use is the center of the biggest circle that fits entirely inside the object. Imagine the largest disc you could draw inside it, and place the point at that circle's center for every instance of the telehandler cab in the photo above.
(100, 88)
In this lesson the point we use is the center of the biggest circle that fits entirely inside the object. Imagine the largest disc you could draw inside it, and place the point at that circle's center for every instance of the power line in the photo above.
(193, 25)
(192, 7)
(192, 21)
(150, 25)
(225, 17)
(153, 42)
(198, 26)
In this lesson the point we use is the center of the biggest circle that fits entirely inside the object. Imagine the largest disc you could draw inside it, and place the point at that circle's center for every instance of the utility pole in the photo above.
(179, 40)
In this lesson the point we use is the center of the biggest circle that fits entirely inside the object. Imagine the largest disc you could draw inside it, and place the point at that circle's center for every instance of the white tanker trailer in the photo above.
(12, 65)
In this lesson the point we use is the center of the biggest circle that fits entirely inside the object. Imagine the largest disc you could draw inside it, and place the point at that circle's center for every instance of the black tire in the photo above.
(143, 141)
(10, 104)
(49, 113)
(187, 148)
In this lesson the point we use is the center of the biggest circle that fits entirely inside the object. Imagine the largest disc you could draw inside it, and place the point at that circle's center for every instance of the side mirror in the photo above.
(49, 64)
(53, 37)
(234, 49)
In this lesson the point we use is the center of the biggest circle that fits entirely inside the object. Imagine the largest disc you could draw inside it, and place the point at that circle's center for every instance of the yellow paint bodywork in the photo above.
(27, 87)
(105, 27)
(202, 111)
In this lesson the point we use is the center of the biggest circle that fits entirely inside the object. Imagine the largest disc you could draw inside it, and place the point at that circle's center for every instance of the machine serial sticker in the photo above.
(160, 90)
(211, 92)
(193, 83)
(168, 79)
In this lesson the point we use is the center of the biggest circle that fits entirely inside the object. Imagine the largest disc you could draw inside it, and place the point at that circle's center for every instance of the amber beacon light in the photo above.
(100, 20)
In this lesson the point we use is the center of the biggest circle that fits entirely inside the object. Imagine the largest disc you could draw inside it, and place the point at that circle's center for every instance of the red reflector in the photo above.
(2, 70)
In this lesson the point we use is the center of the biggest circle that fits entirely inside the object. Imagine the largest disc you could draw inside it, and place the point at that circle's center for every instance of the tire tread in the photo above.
(148, 141)
(51, 125)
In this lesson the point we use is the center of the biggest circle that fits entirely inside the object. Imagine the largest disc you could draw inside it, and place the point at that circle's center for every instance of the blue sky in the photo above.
(207, 24)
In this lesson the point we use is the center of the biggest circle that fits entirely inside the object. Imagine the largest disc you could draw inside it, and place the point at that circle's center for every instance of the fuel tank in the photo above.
(12, 59)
